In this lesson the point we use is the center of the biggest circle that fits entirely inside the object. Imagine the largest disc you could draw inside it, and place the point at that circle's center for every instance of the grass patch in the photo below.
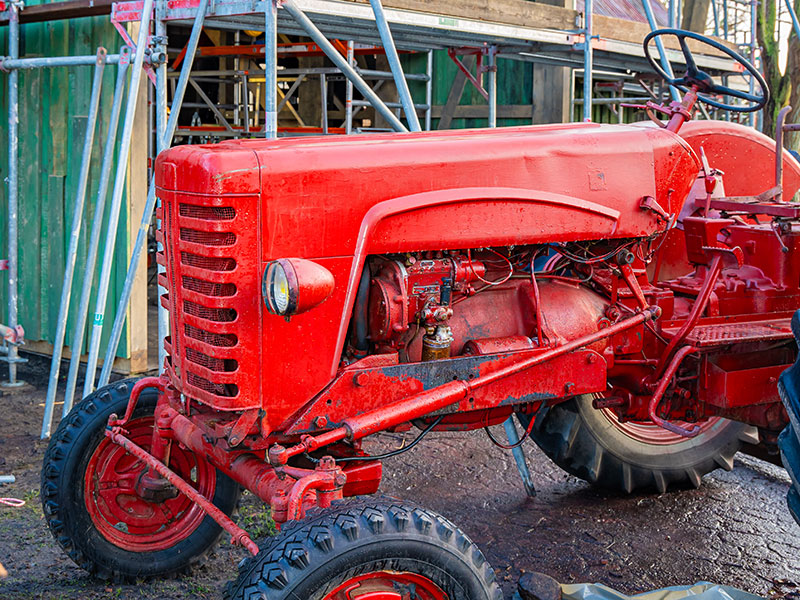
(256, 519)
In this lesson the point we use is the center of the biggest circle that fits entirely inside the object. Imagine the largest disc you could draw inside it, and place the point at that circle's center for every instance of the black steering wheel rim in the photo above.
(694, 75)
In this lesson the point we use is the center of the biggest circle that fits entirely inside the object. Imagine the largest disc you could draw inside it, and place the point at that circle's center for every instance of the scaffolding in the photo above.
(262, 87)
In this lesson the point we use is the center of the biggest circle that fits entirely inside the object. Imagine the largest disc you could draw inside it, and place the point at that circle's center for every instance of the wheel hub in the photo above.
(650, 433)
(154, 488)
(388, 585)
(134, 510)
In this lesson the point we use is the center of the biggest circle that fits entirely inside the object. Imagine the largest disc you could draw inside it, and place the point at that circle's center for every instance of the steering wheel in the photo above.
(705, 84)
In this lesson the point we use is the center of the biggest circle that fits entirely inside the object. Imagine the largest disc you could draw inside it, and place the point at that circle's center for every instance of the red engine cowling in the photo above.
(416, 303)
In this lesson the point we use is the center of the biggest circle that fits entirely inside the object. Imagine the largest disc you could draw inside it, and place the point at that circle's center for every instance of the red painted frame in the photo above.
(253, 392)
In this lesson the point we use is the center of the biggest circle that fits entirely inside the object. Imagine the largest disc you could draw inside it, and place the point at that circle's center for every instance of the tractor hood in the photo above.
(315, 192)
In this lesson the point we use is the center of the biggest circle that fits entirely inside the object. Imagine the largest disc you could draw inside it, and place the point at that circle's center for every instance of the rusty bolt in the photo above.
(568, 387)
(341, 479)
(276, 455)
(591, 358)
(327, 463)
(320, 422)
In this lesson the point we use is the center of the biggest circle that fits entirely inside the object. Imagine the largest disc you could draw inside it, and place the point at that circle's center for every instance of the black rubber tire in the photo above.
(310, 558)
(582, 441)
(62, 494)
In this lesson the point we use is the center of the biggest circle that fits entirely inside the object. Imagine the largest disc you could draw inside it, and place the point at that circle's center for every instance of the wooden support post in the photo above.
(456, 91)
(136, 194)
(551, 94)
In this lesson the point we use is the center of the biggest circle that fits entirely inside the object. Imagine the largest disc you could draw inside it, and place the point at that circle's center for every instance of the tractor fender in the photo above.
(747, 159)
(746, 156)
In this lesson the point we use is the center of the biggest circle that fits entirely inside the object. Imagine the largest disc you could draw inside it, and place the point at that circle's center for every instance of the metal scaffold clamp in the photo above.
(156, 53)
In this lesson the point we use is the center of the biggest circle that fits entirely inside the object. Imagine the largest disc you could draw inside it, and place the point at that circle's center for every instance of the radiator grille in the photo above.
(217, 389)
(221, 365)
(208, 288)
(210, 263)
(203, 238)
(208, 238)
(220, 340)
(220, 315)
(211, 213)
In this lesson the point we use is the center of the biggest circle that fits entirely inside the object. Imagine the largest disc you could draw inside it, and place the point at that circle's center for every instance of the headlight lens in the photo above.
(280, 290)
(277, 292)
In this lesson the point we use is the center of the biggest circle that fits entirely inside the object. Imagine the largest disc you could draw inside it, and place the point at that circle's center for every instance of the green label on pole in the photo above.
(98, 319)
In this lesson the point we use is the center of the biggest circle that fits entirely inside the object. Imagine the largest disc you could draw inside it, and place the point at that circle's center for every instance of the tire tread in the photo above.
(561, 432)
(55, 459)
(299, 538)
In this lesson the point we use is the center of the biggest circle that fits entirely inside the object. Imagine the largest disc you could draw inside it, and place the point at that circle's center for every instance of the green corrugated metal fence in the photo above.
(53, 111)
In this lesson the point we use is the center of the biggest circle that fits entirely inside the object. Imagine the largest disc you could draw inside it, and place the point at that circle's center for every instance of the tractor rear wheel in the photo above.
(595, 446)
(367, 549)
(91, 505)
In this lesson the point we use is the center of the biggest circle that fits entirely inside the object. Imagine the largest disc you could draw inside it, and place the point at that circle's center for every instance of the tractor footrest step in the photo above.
(721, 334)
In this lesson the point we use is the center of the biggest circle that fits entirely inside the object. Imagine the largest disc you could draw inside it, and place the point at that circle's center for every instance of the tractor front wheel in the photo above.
(367, 549)
(595, 446)
(91, 504)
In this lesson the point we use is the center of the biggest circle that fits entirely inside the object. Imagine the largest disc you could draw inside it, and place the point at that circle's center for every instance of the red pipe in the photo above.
(146, 382)
(659, 393)
(698, 308)
(319, 480)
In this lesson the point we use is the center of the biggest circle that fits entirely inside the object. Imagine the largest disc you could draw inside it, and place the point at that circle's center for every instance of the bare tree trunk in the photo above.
(779, 84)
(793, 75)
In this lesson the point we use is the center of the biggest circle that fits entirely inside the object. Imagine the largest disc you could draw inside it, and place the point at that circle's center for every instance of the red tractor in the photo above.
(602, 283)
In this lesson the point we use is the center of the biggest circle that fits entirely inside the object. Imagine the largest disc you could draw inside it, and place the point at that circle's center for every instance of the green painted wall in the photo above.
(514, 87)
(53, 112)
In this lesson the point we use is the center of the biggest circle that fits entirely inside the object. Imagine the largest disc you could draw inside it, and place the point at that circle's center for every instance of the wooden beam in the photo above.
(137, 183)
(539, 15)
(456, 91)
(551, 94)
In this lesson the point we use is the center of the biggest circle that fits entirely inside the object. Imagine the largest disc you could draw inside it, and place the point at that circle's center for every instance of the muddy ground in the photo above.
(735, 529)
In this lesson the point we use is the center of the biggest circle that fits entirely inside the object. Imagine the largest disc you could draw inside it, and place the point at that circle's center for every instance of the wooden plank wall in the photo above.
(53, 112)
(540, 15)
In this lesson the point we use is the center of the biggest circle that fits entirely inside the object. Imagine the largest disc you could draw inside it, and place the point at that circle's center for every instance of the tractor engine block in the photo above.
(428, 308)
(419, 292)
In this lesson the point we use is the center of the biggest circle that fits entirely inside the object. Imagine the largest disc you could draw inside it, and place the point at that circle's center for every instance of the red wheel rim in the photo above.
(388, 585)
(125, 519)
(649, 433)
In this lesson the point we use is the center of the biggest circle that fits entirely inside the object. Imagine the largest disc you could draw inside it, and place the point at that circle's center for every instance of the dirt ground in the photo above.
(735, 529)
